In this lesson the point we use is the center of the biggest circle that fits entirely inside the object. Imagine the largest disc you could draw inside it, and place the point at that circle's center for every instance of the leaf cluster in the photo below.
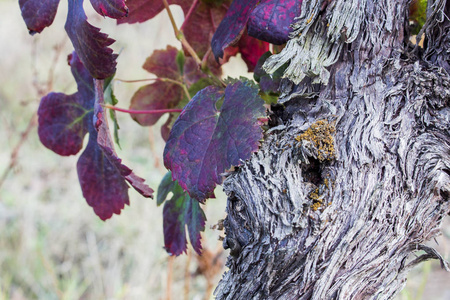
(211, 126)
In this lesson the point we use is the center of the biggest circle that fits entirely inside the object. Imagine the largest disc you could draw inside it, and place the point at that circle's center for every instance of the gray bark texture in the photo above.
(353, 177)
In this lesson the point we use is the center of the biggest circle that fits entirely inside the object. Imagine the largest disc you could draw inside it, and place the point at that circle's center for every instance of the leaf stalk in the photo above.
(143, 112)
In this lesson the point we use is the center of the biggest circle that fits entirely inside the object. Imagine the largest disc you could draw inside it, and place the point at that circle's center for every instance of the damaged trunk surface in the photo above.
(354, 176)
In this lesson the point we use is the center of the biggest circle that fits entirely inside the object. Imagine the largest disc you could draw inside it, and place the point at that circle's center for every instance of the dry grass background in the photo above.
(52, 246)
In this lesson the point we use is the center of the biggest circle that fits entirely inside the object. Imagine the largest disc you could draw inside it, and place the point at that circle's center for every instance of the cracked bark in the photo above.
(306, 224)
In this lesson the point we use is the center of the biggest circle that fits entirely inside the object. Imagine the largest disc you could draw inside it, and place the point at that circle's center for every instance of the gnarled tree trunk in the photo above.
(354, 177)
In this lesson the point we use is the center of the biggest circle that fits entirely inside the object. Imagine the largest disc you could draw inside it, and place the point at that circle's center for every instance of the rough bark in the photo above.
(354, 176)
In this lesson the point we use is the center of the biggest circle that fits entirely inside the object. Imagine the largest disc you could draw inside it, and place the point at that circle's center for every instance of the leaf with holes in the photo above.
(181, 211)
(207, 139)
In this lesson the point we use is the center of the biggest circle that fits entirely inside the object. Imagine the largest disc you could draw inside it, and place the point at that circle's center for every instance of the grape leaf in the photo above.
(104, 140)
(63, 118)
(179, 211)
(158, 95)
(232, 25)
(38, 14)
(142, 10)
(90, 44)
(165, 187)
(102, 184)
(62, 125)
(202, 23)
(163, 63)
(193, 89)
(206, 140)
(165, 94)
(266, 20)
(110, 8)
(271, 19)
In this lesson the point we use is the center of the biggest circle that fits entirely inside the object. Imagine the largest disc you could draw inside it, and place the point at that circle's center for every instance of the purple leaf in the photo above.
(62, 125)
(63, 122)
(164, 94)
(179, 211)
(111, 8)
(251, 50)
(195, 221)
(104, 140)
(38, 14)
(205, 140)
(162, 63)
(232, 26)
(103, 186)
(90, 44)
(102, 176)
(142, 10)
(63, 118)
(271, 19)
(158, 95)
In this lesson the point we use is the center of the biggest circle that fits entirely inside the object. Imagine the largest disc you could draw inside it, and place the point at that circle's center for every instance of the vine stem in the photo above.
(188, 15)
(169, 278)
(180, 36)
(142, 112)
(187, 275)
(181, 84)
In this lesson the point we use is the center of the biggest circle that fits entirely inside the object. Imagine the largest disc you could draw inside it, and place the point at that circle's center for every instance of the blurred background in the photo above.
(52, 246)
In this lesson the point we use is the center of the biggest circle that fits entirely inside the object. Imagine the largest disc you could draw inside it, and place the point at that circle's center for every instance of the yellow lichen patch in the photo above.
(314, 195)
(316, 206)
(318, 196)
(320, 134)
(317, 200)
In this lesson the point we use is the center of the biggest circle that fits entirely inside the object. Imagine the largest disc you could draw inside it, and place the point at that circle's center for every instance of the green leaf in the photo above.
(180, 59)
(165, 187)
(111, 99)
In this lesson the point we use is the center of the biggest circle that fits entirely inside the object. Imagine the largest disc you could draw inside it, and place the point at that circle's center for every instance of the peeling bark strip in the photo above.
(346, 227)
